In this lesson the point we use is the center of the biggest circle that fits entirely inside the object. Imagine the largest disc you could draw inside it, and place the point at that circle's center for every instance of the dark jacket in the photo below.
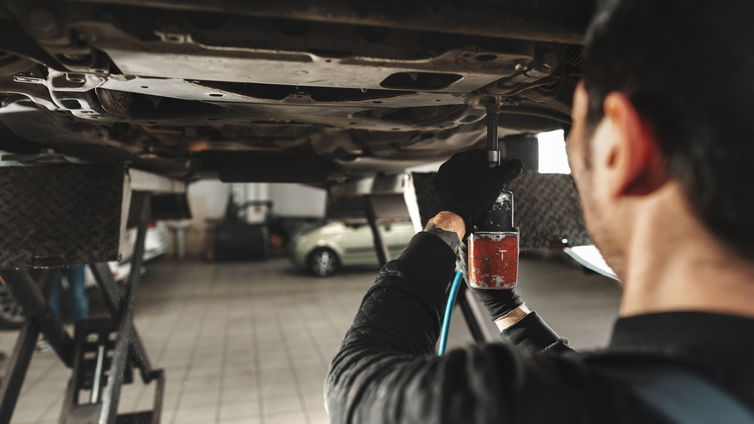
(386, 370)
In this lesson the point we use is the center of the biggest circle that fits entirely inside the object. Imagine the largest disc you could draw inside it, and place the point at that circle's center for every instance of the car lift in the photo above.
(103, 351)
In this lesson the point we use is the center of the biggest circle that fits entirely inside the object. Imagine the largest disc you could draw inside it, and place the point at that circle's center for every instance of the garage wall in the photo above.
(208, 199)
(288, 200)
(298, 200)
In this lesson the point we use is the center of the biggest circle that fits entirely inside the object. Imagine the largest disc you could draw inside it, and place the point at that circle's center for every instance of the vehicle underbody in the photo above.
(149, 95)
(290, 91)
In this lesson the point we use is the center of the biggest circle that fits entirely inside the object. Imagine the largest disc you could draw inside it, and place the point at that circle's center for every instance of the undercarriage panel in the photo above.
(280, 91)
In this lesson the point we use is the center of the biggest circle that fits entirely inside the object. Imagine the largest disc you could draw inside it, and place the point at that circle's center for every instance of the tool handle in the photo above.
(493, 145)
(500, 215)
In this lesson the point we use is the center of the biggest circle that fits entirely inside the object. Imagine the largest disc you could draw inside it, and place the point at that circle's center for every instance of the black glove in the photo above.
(465, 185)
(497, 302)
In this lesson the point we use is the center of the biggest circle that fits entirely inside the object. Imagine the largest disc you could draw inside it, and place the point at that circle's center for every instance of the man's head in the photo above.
(667, 101)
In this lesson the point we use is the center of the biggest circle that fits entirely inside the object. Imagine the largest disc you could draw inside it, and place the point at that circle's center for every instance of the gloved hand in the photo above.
(497, 302)
(466, 186)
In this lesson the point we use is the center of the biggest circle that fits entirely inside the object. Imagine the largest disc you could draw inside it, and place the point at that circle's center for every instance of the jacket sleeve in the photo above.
(385, 372)
(534, 335)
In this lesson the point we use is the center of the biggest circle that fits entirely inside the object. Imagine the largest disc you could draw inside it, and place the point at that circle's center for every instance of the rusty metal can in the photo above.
(493, 260)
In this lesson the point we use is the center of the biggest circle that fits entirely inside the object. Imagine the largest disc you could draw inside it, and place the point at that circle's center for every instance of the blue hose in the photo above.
(443, 342)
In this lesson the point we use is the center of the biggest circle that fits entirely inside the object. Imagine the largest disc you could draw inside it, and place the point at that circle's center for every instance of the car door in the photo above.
(357, 245)
(397, 236)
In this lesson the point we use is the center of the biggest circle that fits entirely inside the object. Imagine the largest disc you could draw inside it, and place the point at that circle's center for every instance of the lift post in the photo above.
(378, 198)
(104, 350)
(15, 369)
(405, 195)
(380, 248)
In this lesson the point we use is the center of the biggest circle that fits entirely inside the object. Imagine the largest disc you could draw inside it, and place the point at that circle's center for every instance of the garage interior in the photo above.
(219, 182)
(245, 335)
(251, 342)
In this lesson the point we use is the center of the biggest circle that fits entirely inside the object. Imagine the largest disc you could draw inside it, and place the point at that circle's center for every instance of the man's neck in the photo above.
(688, 270)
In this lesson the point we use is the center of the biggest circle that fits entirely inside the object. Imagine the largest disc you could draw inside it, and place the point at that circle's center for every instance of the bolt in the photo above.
(42, 21)
(77, 78)
(550, 60)
(520, 66)
(488, 101)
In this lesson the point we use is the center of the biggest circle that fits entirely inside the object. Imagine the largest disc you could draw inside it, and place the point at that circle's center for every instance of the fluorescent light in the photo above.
(552, 153)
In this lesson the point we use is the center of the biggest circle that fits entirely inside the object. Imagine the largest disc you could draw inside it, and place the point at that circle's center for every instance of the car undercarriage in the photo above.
(280, 91)
(109, 109)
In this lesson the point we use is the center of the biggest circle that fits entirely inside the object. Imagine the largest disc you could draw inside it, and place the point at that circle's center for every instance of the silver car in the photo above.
(324, 249)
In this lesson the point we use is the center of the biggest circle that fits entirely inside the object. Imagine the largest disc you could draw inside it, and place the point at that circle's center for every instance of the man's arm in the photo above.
(385, 371)
(516, 322)
(394, 330)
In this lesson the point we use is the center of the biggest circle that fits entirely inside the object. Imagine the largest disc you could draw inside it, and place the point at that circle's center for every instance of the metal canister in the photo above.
(493, 260)
(493, 248)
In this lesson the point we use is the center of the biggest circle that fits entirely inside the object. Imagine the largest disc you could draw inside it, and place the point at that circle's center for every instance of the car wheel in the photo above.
(11, 312)
(323, 262)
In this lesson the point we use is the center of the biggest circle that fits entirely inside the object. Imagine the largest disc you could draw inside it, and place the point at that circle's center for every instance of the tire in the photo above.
(11, 314)
(323, 262)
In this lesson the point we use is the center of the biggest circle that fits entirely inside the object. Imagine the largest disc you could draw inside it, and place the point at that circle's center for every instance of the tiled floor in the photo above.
(250, 343)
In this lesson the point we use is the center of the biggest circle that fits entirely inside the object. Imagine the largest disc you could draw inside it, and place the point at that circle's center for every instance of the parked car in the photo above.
(323, 250)
(155, 245)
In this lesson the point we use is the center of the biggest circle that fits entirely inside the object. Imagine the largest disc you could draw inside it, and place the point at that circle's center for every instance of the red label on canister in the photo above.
(493, 260)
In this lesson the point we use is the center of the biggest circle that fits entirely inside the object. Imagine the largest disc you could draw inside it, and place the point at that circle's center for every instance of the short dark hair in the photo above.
(687, 66)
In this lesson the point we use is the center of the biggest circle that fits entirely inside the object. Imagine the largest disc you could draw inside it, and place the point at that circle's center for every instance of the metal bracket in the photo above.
(15, 370)
(32, 297)
(39, 320)
(113, 358)
(376, 198)
(63, 214)
(393, 196)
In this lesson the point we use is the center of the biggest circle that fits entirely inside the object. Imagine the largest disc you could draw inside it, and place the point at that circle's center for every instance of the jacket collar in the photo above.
(726, 340)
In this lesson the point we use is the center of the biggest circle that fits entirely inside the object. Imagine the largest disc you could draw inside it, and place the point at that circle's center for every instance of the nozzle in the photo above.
(493, 148)
(493, 158)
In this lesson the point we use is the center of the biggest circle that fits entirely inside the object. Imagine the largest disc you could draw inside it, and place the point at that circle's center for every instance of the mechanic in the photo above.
(660, 151)
(76, 277)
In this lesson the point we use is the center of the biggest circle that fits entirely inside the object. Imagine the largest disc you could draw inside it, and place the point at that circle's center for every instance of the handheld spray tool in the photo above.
(492, 262)
(493, 247)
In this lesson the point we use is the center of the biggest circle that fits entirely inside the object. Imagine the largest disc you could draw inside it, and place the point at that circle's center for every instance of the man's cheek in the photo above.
(576, 163)
(573, 162)
(581, 175)
(581, 182)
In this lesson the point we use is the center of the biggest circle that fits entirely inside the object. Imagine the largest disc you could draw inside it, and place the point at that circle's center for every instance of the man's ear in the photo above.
(634, 163)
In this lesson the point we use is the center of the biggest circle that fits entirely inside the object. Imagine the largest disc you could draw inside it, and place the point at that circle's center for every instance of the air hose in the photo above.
(492, 261)
(445, 328)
